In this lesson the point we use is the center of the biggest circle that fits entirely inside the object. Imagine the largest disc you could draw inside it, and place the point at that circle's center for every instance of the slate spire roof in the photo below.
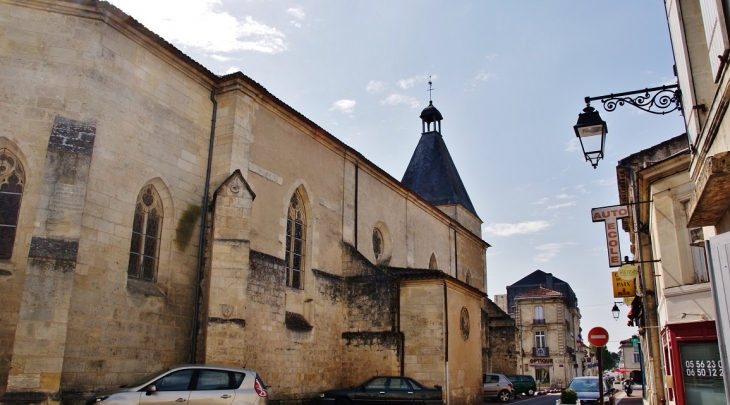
(431, 172)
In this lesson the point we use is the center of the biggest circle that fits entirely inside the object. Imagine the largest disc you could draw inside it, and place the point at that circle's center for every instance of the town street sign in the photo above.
(610, 216)
(622, 288)
(598, 337)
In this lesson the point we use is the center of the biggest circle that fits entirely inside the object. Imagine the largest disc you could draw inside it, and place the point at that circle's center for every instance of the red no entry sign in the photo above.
(598, 336)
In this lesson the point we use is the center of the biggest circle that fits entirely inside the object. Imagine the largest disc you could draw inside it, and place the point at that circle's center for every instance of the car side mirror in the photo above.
(151, 389)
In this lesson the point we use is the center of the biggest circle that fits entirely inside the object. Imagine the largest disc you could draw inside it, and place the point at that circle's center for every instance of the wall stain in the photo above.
(186, 226)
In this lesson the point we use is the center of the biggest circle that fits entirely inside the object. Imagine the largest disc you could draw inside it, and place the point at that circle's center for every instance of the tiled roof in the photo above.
(541, 292)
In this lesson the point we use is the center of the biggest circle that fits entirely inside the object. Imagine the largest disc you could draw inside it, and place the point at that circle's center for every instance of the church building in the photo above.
(154, 213)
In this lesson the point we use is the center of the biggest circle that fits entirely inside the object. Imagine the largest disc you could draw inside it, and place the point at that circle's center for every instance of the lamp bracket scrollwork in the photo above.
(656, 100)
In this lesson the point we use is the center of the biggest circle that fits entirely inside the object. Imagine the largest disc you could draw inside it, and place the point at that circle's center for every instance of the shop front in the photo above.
(693, 366)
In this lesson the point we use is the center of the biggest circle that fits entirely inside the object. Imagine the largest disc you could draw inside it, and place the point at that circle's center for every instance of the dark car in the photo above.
(587, 389)
(523, 384)
(379, 389)
(191, 384)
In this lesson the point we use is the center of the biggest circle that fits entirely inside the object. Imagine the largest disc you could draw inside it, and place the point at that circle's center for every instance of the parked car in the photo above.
(587, 389)
(523, 384)
(192, 384)
(497, 386)
(381, 389)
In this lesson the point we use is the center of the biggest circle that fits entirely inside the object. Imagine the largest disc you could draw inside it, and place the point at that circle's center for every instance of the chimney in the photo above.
(549, 281)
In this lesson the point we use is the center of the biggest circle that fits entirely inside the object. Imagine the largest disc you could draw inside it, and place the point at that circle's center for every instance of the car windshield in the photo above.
(147, 379)
(584, 385)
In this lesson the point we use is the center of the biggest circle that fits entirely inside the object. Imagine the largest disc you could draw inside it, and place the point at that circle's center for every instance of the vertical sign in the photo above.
(610, 216)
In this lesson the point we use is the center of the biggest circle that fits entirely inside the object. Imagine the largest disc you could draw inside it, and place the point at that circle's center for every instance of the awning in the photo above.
(540, 365)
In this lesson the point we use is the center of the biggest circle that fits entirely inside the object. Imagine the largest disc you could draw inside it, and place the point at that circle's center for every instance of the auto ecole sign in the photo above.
(610, 216)
(622, 288)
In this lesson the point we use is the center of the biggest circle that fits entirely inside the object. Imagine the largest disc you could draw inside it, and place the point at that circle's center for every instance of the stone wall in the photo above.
(501, 354)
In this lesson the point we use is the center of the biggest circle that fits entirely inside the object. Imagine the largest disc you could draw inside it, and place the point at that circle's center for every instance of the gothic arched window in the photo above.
(146, 229)
(12, 180)
(432, 263)
(296, 230)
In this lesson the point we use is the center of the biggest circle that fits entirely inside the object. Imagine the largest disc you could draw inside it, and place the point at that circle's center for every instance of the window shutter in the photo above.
(684, 76)
(713, 19)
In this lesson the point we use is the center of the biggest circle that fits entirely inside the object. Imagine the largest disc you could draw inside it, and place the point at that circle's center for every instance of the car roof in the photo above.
(213, 366)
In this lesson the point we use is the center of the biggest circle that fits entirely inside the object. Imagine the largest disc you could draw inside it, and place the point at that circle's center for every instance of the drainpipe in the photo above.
(201, 239)
(446, 342)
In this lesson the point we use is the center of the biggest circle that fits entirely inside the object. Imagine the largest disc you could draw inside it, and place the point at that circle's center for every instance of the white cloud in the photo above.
(411, 81)
(375, 86)
(549, 251)
(564, 196)
(516, 229)
(296, 12)
(573, 145)
(220, 57)
(295, 23)
(344, 106)
(198, 24)
(611, 181)
(579, 188)
(232, 69)
(484, 76)
(568, 204)
(396, 99)
(491, 56)
(541, 201)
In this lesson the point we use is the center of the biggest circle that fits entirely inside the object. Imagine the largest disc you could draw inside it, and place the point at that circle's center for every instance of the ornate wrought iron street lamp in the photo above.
(591, 130)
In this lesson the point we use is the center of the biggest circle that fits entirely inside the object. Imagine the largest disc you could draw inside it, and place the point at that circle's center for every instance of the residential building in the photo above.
(155, 213)
(630, 360)
(699, 35)
(674, 309)
(536, 279)
(548, 324)
(501, 301)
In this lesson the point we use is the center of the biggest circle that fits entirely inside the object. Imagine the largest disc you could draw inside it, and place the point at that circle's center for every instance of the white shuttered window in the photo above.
(684, 75)
(713, 19)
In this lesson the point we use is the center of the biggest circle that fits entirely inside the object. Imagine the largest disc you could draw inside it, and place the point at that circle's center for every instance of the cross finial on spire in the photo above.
(430, 89)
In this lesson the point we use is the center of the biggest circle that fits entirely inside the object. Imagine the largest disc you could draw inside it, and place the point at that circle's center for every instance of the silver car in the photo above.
(497, 386)
(193, 384)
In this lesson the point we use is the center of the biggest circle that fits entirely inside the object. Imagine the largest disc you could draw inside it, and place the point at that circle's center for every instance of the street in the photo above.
(550, 399)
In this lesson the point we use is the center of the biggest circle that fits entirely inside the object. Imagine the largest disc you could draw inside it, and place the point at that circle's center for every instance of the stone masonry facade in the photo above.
(115, 136)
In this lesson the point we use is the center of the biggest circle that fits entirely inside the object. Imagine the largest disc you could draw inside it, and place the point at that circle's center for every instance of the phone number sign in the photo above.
(703, 368)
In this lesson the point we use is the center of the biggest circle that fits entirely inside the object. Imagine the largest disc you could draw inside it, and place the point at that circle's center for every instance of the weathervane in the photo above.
(430, 89)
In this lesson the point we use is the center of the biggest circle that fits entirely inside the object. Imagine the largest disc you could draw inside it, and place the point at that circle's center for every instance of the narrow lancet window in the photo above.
(295, 242)
(146, 228)
(12, 181)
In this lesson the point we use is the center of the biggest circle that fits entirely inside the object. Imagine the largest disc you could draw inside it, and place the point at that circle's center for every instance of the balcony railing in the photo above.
(538, 321)
(540, 351)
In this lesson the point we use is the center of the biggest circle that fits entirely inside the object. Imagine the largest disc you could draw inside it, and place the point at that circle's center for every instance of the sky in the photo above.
(509, 78)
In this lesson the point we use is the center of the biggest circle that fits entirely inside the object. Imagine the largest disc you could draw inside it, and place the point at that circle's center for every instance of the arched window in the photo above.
(146, 228)
(12, 180)
(467, 279)
(296, 231)
(432, 263)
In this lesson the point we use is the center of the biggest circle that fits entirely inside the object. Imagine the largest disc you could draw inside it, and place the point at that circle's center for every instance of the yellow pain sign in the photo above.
(622, 288)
